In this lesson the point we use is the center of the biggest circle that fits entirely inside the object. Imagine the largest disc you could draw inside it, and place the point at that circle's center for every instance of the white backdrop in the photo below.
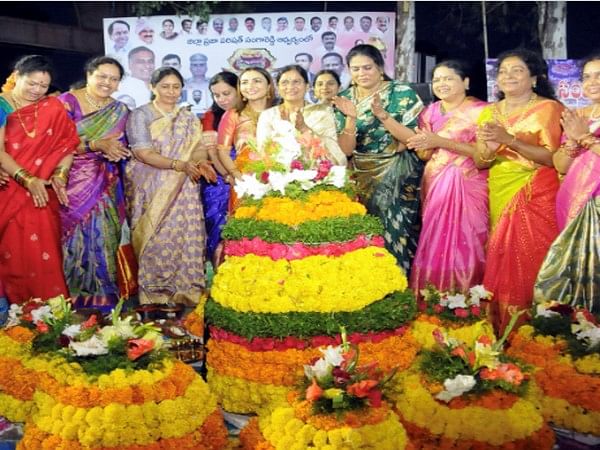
(245, 46)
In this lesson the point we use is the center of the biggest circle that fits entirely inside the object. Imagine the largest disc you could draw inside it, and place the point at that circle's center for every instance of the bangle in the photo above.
(23, 177)
(588, 141)
(580, 140)
(512, 141)
(349, 132)
(90, 146)
(482, 159)
(62, 173)
(175, 165)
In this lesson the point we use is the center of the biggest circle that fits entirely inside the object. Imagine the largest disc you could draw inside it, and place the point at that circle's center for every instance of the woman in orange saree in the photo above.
(516, 138)
(37, 142)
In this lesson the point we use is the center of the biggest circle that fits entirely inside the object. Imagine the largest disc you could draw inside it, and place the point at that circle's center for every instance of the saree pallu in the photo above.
(451, 250)
(571, 271)
(30, 249)
(523, 216)
(388, 184)
(95, 232)
(215, 199)
(167, 221)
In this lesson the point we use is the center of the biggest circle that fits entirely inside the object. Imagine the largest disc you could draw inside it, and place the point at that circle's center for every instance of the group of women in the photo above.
(468, 192)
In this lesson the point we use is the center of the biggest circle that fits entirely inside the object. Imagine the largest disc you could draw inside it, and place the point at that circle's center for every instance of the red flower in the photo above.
(484, 339)
(437, 308)
(488, 374)
(475, 310)
(314, 391)
(42, 327)
(461, 312)
(375, 398)
(362, 388)
(264, 177)
(422, 306)
(340, 376)
(296, 164)
(92, 320)
(323, 169)
(562, 309)
(460, 352)
(138, 347)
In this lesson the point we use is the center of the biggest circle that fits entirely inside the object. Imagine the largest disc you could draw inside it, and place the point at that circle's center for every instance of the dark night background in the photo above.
(443, 29)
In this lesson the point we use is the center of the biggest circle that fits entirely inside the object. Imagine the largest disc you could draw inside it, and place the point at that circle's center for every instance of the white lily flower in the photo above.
(333, 355)
(72, 330)
(455, 387)
(41, 313)
(586, 330)
(336, 176)
(457, 301)
(14, 315)
(250, 186)
(93, 346)
(478, 293)
(321, 368)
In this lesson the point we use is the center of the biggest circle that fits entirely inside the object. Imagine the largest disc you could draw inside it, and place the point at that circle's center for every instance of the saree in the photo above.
(451, 250)
(388, 181)
(94, 224)
(570, 272)
(30, 247)
(167, 221)
(215, 198)
(522, 198)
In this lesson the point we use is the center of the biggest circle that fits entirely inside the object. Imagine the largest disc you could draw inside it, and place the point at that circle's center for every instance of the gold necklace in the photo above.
(93, 103)
(503, 116)
(251, 114)
(30, 134)
(445, 111)
(168, 115)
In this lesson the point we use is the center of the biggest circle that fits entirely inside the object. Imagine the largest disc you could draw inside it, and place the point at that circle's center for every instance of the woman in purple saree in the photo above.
(94, 224)
(167, 220)
(451, 250)
(570, 272)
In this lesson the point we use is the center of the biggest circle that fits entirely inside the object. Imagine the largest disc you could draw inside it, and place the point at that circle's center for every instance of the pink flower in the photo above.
(437, 308)
(296, 164)
(314, 391)
(439, 337)
(511, 373)
(42, 327)
(475, 310)
(264, 177)
(461, 312)
(138, 347)
(92, 320)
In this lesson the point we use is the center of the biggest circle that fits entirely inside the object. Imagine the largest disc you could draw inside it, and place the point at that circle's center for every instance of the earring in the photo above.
(382, 78)
(534, 84)
(243, 98)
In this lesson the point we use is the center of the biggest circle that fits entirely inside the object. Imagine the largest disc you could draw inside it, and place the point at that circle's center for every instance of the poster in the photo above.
(199, 49)
(564, 75)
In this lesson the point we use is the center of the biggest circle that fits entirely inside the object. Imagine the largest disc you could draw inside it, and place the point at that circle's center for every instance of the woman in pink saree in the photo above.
(570, 272)
(451, 250)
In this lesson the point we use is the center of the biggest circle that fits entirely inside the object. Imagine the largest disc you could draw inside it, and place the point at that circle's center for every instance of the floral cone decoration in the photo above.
(461, 317)
(110, 386)
(340, 406)
(563, 343)
(471, 396)
(302, 259)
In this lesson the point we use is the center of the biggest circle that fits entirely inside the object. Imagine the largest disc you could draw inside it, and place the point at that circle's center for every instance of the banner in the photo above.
(200, 49)
(564, 75)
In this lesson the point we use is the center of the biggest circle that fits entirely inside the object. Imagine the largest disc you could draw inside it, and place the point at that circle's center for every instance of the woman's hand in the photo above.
(494, 132)
(111, 148)
(300, 124)
(377, 108)
(190, 169)
(60, 188)
(423, 140)
(574, 124)
(207, 171)
(345, 106)
(37, 189)
(4, 177)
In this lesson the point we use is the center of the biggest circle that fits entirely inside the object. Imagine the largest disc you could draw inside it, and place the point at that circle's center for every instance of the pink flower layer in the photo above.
(298, 250)
(258, 344)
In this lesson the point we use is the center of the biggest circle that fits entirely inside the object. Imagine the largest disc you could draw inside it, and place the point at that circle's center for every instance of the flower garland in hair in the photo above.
(10, 82)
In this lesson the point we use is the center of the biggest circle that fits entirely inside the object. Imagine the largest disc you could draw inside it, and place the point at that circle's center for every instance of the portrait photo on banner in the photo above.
(201, 48)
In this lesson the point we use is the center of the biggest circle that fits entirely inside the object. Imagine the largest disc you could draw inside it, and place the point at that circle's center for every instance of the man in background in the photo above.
(118, 33)
(315, 24)
(334, 61)
(265, 22)
(172, 60)
(186, 26)
(141, 65)
(218, 25)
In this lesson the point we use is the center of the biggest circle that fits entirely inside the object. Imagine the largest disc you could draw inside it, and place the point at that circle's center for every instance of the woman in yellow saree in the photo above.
(516, 138)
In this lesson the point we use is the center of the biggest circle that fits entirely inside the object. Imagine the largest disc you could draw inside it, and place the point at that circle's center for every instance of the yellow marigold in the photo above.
(313, 284)
(589, 364)
(319, 205)
(417, 406)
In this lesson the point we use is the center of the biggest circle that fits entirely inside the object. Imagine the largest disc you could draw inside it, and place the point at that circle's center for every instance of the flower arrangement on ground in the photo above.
(470, 396)
(112, 386)
(340, 405)
(460, 316)
(302, 259)
(563, 343)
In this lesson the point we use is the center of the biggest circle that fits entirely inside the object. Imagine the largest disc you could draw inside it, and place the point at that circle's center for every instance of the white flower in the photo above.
(304, 177)
(93, 346)
(478, 293)
(123, 329)
(336, 176)
(250, 186)
(41, 313)
(455, 387)
(72, 330)
(586, 330)
(14, 314)
(333, 355)
(321, 368)
(279, 181)
(456, 301)
(542, 311)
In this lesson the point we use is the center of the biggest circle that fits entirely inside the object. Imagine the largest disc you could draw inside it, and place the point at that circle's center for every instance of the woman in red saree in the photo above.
(37, 142)
(516, 138)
